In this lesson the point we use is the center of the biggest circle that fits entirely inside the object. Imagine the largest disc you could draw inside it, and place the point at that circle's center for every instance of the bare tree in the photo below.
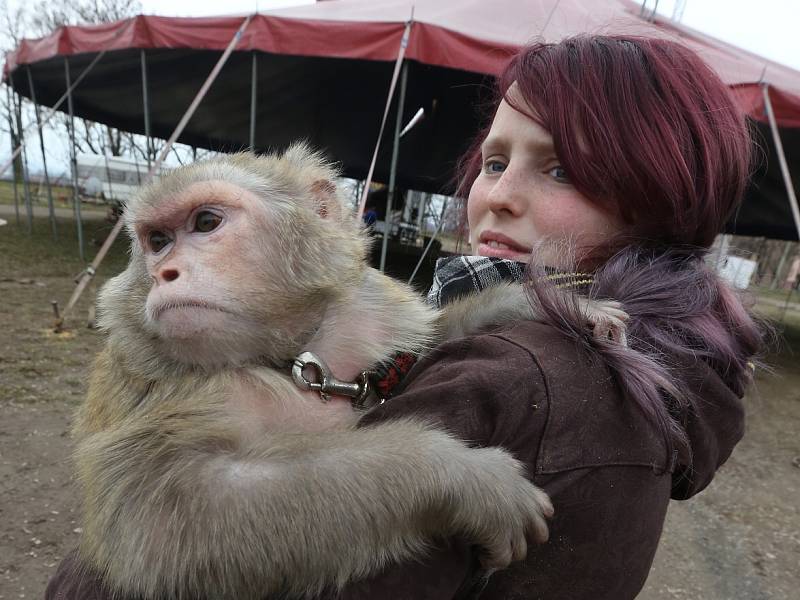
(42, 17)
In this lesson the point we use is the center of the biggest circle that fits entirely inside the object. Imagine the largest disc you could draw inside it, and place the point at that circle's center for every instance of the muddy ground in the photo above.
(740, 539)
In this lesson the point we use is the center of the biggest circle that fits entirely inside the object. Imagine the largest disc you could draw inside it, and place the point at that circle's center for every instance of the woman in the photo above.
(633, 153)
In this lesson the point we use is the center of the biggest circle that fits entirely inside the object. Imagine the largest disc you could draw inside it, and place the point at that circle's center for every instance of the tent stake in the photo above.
(73, 161)
(787, 178)
(387, 220)
(91, 270)
(50, 207)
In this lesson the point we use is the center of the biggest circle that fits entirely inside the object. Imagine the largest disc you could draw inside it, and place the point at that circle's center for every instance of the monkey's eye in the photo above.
(206, 221)
(158, 240)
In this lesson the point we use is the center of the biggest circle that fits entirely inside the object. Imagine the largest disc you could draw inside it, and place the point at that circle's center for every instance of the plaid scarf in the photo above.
(457, 276)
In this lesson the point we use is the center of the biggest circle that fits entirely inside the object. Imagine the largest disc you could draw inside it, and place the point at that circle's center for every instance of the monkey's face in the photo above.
(233, 259)
(206, 270)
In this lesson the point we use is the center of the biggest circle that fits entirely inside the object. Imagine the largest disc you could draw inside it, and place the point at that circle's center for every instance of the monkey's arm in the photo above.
(179, 507)
(508, 302)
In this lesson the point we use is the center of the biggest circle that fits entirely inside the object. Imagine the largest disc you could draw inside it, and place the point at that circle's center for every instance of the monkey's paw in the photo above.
(606, 319)
(505, 511)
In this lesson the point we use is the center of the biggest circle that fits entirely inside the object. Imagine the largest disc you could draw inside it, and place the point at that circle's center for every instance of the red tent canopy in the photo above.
(323, 72)
(470, 35)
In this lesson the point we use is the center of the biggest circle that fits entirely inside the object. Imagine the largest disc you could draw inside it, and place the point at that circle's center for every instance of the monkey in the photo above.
(205, 471)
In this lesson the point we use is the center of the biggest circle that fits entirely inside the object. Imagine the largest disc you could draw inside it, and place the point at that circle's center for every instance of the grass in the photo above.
(38, 255)
(62, 195)
(779, 295)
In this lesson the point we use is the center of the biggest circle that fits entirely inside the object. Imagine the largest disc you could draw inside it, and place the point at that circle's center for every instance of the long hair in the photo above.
(646, 130)
(680, 312)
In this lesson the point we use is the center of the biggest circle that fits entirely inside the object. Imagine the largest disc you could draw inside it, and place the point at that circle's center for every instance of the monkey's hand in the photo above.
(605, 318)
(508, 302)
(498, 509)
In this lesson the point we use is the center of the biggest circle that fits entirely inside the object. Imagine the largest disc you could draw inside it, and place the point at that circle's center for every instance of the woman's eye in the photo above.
(158, 240)
(559, 173)
(494, 166)
(206, 221)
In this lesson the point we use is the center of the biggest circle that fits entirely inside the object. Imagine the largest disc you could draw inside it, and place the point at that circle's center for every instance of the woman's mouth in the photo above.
(497, 245)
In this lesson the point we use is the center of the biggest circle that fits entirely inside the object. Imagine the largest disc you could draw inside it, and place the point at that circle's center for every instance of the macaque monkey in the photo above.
(206, 472)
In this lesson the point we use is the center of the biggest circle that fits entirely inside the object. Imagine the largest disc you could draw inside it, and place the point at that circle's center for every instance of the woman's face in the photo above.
(523, 196)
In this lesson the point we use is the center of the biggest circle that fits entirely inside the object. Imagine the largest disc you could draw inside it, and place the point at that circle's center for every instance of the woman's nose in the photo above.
(507, 196)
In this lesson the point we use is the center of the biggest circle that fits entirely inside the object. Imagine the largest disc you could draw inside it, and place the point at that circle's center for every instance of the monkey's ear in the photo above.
(326, 199)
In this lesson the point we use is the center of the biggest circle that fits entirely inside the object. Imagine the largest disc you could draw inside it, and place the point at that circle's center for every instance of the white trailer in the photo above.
(111, 179)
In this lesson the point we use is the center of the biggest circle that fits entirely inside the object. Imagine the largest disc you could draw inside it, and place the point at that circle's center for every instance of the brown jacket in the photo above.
(552, 404)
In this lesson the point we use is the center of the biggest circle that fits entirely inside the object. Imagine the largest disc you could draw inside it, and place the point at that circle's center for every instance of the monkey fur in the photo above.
(205, 472)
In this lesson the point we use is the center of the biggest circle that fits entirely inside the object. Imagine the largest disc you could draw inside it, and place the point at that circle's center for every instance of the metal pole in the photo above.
(421, 207)
(14, 175)
(146, 103)
(26, 186)
(73, 161)
(430, 243)
(787, 178)
(51, 208)
(253, 98)
(787, 246)
(91, 270)
(108, 176)
(387, 221)
(24, 160)
(395, 75)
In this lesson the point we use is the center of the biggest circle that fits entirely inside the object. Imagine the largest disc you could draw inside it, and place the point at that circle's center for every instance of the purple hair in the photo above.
(680, 311)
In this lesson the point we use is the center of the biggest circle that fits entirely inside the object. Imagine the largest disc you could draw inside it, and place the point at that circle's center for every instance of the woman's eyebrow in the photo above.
(493, 143)
(498, 143)
(540, 146)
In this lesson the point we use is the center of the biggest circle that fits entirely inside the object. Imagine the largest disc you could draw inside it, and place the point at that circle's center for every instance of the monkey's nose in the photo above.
(168, 275)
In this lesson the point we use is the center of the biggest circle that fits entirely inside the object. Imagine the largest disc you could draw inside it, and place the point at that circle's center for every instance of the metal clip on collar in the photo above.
(326, 384)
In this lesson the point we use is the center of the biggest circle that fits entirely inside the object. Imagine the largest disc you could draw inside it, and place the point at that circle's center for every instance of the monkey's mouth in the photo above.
(159, 310)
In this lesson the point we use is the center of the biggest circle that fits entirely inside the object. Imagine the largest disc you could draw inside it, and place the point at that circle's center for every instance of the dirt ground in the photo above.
(740, 539)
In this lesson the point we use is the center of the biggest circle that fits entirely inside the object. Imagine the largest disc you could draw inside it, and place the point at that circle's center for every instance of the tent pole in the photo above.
(787, 246)
(148, 144)
(10, 106)
(787, 178)
(91, 270)
(61, 100)
(26, 190)
(439, 226)
(73, 161)
(398, 63)
(253, 98)
(422, 202)
(387, 220)
(51, 208)
(108, 174)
